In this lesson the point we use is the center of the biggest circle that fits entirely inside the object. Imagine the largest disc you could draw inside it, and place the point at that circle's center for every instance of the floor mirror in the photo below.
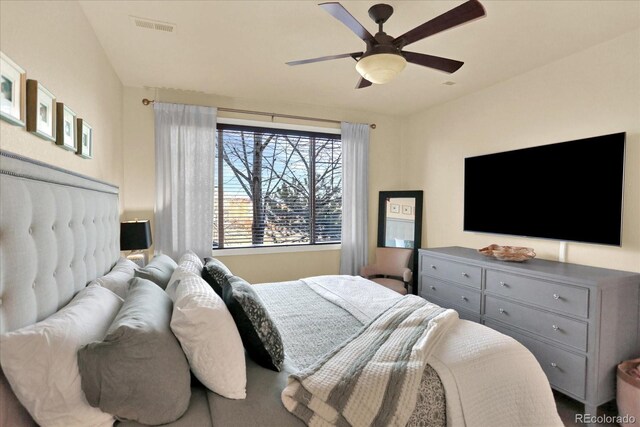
(400, 224)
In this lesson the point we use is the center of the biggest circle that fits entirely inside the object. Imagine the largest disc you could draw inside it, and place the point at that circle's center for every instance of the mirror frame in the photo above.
(417, 231)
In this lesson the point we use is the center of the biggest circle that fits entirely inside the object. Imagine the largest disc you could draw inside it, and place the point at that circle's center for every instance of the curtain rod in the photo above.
(146, 101)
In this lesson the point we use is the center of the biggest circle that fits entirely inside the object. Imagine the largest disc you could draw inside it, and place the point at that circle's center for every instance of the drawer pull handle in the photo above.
(464, 274)
(464, 298)
(554, 365)
(556, 296)
(433, 266)
(556, 327)
(502, 311)
(504, 285)
(433, 288)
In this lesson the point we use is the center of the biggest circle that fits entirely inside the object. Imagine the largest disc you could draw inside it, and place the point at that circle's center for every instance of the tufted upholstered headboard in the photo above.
(58, 231)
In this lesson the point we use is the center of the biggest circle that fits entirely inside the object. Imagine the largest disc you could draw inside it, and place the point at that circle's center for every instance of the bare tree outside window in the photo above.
(277, 187)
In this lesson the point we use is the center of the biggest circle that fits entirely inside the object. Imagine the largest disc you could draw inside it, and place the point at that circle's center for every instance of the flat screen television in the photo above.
(570, 191)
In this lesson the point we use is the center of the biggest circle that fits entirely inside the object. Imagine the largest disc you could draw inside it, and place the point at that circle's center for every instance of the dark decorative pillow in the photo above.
(214, 273)
(159, 270)
(138, 372)
(258, 332)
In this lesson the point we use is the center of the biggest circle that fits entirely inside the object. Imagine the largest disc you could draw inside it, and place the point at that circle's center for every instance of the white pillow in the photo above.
(189, 264)
(41, 365)
(209, 338)
(117, 280)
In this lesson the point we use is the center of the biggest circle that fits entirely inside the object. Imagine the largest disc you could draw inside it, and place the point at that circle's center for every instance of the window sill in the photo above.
(275, 250)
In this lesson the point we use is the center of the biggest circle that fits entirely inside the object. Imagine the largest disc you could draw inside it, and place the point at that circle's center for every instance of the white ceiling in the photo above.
(239, 48)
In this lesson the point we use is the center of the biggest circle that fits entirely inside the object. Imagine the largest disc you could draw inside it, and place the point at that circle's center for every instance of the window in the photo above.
(277, 187)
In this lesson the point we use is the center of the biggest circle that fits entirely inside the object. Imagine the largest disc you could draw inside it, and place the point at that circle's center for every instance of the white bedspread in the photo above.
(489, 378)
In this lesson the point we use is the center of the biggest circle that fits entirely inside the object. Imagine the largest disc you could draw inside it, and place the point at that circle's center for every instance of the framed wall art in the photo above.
(65, 127)
(12, 91)
(85, 139)
(41, 111)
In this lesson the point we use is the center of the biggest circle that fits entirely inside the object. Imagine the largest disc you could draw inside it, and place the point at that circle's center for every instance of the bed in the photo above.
(60, 230)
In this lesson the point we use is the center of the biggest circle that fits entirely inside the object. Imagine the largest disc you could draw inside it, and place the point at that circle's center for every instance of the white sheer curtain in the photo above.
(355, 196)
(185, 166)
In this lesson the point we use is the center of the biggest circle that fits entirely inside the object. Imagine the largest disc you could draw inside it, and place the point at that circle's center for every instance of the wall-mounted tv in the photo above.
(570, 191)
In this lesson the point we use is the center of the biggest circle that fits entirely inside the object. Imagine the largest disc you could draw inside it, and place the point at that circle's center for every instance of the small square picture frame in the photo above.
(41, 111)
(65, 127)
(395, 208)
(85, 139)
(407, 210)
(13, 80)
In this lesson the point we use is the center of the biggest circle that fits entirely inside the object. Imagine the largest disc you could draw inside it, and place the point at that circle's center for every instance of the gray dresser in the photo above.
(578, 321)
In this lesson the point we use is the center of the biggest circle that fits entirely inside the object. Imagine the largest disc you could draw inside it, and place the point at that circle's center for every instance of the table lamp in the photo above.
(135, 236)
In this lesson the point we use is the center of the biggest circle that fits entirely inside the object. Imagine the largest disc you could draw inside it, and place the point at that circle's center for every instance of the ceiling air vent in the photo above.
(150, 24)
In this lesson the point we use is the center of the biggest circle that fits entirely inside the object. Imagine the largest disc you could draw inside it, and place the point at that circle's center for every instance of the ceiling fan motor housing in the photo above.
(384, 45)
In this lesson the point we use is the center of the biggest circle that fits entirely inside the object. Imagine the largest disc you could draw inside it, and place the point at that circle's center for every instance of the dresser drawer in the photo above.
(465, 274)
(553, 296)
(552, 326)
(566, 371)
(451, 295)
(462, 313)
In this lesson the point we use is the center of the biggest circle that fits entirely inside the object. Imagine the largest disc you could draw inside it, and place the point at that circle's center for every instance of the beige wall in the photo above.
(593, 92)
(139, 170)
(55, 44)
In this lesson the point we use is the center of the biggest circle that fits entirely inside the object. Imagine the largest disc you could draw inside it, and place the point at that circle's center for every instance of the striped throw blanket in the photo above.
(372, 379)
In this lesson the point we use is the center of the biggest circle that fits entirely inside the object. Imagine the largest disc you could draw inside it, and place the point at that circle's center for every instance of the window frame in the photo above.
(294, 129)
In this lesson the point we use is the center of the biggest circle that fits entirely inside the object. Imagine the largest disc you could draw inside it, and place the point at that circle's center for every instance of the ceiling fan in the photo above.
(384, 57)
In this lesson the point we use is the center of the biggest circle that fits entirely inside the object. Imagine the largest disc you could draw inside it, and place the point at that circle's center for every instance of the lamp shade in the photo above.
(381, 68)
(135, 235)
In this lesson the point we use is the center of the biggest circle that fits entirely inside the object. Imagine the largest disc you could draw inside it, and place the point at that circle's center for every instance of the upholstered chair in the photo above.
(390, 269)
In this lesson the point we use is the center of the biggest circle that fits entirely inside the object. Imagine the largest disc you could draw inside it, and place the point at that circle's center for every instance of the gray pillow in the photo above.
(159, 270)
(214, 273)
(138, 372)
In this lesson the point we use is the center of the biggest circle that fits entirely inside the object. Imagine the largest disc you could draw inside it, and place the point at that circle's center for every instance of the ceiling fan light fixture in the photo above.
(381, 68)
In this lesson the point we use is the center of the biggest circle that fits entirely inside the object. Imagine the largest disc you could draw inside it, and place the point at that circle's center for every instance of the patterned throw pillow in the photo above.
(259, 334)
(214, 272)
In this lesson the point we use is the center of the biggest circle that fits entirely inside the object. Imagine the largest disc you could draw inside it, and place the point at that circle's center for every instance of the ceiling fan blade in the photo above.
(443, 64)
(363, 83)
(354, 55)
(336, 10)
(459, 15)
